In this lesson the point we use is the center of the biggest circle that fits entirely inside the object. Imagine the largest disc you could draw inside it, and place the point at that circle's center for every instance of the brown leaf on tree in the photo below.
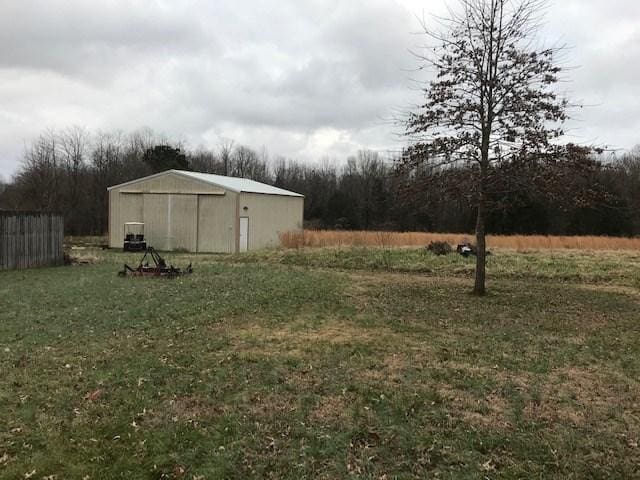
(491, 103)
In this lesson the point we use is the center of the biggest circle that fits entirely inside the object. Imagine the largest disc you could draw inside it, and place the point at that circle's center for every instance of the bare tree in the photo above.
(73, 145)
(491, 100)
(203, 160)
(40, 174)
(225, 151)
(247, 164)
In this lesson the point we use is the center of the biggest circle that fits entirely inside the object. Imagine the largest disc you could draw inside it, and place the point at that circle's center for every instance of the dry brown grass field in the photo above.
(338, 238)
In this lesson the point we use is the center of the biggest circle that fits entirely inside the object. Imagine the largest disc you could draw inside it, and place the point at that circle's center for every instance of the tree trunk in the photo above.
(481, 248)
(481, 244)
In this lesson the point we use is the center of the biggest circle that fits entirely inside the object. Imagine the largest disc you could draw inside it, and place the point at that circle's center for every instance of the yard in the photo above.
(326, 363)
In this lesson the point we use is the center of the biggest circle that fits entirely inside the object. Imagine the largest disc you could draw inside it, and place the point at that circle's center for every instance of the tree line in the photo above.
(70, 170)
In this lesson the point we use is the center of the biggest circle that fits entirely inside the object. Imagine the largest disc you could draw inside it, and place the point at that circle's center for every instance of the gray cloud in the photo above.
(93, 39)
(604, 46)
(305, 79)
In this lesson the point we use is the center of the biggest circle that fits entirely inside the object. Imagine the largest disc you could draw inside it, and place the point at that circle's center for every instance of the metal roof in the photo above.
(234, 184)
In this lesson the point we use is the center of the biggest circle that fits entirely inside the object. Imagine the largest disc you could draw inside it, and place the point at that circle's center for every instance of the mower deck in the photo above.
(158, 269)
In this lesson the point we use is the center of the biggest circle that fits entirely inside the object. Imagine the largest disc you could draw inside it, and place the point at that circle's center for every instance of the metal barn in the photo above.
(200, 212)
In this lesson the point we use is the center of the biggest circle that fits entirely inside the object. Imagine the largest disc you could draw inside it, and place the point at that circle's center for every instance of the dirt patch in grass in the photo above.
(272, 405)
(390, 369)
(566, 339)
(620, 289)
(295, 339)
(75, 258)
(304, 379)
(362, 282)
(581, 396)
(184, 409)
(491, 412)
(367, 288)
(571, 395)
(331, 409)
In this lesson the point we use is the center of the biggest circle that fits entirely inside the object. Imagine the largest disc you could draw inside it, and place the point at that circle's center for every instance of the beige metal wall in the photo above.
(197, 223)
(183, 223)
(270, 215)
(123, 207)
(182, 213)
(178, 213)
(217, 223)
(155, 218)
(171, 221)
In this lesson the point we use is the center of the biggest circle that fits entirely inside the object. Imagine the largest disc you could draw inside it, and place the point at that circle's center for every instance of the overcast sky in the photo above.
(306, 79)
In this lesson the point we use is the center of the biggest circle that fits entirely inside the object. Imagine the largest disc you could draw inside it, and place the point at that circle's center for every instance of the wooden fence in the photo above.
(31, 239)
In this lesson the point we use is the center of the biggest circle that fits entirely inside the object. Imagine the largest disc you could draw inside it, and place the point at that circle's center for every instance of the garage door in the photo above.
(171, 221)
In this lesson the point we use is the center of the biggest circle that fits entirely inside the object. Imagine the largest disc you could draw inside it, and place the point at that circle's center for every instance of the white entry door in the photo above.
(244, 234)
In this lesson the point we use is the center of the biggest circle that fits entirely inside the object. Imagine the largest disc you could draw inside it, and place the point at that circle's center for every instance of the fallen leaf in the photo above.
(179, 471)
(93, 396)
(488, 466)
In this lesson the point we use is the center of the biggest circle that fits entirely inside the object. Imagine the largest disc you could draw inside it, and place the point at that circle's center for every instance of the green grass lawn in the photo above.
(331, 363)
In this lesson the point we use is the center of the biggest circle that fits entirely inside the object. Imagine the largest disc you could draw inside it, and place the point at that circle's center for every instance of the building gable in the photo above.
(169, 182)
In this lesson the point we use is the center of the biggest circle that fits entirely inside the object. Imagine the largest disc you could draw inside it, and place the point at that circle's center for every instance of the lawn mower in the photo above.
(158, 269)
